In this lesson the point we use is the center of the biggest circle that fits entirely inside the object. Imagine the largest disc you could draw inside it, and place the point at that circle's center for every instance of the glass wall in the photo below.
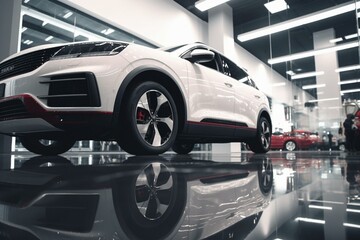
(314, 45)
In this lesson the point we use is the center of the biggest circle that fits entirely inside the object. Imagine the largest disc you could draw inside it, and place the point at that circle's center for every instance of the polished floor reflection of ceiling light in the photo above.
(347, 68)
(312, 53)
(204, 5)
(300, 21)
(320, 207)
(276, 6)
(307, 75)
(310, 220)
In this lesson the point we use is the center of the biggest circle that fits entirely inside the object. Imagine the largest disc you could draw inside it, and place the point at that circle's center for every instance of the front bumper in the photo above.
(23, 114)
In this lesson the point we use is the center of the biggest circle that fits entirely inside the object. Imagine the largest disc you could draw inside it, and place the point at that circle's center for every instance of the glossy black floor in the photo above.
(280, 195)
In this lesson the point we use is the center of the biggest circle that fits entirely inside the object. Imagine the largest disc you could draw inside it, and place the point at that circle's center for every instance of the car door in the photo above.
(247, 98)
(211, 97)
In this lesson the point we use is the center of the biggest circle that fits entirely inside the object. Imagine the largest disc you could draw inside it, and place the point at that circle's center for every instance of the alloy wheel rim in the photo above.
(266, 173)
(154, 118)
(153, 193)
(265, 134)
(290, 146)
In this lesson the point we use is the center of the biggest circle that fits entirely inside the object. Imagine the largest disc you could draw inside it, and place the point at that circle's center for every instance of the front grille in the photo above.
(26, 63)
(12, 109)
(72, 90)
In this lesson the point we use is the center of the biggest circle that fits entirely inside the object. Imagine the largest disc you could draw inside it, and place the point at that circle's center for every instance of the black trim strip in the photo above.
(224, 122)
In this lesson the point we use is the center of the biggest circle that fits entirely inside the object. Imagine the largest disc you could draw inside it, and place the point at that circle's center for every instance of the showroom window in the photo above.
(49, 21)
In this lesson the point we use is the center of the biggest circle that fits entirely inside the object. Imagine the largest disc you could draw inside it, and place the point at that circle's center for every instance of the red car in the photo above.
(297, 139)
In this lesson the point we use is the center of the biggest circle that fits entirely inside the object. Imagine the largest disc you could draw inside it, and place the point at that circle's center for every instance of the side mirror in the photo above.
(200, 55)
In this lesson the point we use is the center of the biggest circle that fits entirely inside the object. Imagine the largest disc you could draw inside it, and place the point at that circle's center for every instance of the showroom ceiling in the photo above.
(249, 15)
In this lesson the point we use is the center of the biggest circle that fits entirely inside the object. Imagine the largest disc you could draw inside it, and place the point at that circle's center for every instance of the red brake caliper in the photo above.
(140, 116)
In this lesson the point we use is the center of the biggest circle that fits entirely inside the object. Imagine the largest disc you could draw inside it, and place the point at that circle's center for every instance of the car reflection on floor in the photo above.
(112, 197)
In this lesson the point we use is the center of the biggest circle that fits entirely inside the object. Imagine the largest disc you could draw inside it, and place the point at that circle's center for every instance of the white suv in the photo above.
(148, 100)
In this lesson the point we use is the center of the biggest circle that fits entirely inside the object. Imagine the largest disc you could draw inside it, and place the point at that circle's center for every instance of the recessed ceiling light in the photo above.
(313, 86)
(350, 91)
(290, 72)
(336, 40)
(312, 53)
(348, 81)
(347, 68)
(67, 15)
(107, 31)
(324, 100)
(49, 38)
(204, 5)
(306, 75)
(276, 6)
(300, 21)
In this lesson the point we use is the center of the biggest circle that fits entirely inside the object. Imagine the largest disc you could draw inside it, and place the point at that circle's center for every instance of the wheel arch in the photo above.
(157, 75)
(264, 113)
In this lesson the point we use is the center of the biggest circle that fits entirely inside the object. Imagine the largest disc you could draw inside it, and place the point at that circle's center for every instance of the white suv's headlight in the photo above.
(77, 50)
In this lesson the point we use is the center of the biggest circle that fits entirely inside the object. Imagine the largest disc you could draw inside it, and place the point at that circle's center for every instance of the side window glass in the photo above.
(226, 68)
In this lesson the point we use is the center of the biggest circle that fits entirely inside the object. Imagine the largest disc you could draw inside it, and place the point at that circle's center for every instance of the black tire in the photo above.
(183, 148)
(150, 121)
(55, 147)
(262, 140)
(137, 202)
(290, 146)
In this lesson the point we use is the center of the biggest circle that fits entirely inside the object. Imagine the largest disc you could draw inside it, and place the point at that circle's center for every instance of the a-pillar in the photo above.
(10, 15)
(330, 108)
(221, 37)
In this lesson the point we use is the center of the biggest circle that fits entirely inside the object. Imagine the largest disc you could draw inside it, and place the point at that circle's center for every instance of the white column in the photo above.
(9, 28)
(329, 111)
(221, 30)
(221, 37)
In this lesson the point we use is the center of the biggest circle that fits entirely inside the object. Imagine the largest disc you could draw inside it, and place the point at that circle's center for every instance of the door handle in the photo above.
(228, 85)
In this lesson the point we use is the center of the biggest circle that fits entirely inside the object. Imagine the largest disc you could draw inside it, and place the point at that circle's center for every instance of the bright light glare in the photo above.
(276, 6)
(320, 207)
(300, 21)
(204, 5)
(311, 86)
(324, 100)
(310, 220)
(347, 68)
(312, 53)
(306, 75)
(350, 91)
(349, 81)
